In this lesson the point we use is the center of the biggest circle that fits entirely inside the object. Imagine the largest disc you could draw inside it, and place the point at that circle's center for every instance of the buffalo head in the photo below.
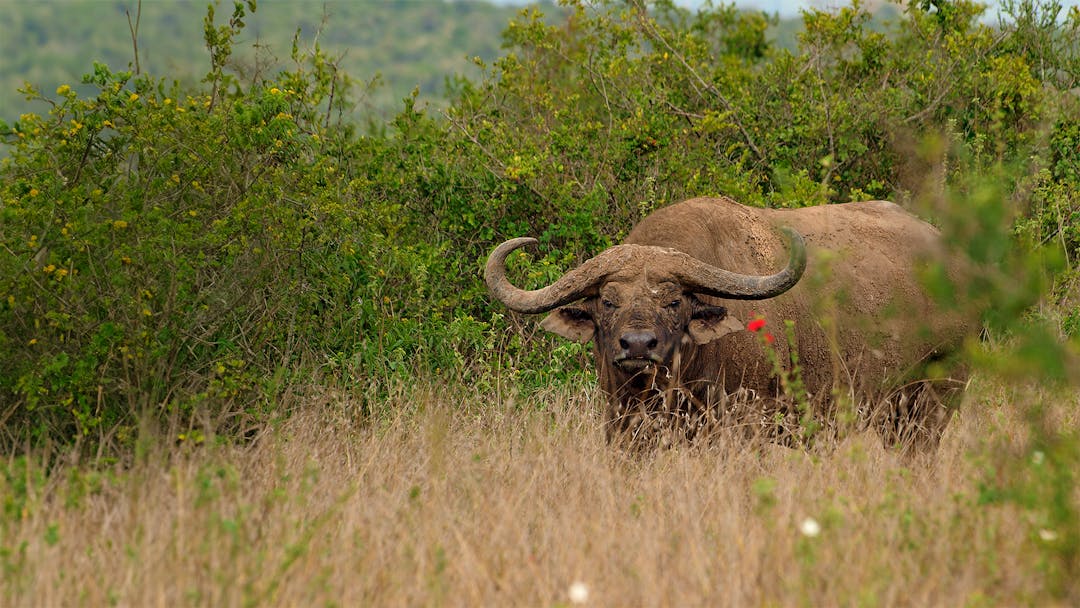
(640, 303)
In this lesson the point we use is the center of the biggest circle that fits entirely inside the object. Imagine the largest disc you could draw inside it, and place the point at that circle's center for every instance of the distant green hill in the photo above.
(412, 43)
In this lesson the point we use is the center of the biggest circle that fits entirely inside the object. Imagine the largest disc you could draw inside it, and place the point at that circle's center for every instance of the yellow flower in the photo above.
(146, 312)
(32, 342)
(275, 91)
(134, 97)
(175, 178)
(120, 224)
(61, 273)
(34, 192)
(49, 269)
(63, 89)
(125, 260)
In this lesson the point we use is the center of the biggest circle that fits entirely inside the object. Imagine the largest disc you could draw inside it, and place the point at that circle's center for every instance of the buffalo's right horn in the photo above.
(572, 286)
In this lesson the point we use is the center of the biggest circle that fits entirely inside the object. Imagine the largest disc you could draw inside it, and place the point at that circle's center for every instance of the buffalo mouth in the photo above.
(635, 364)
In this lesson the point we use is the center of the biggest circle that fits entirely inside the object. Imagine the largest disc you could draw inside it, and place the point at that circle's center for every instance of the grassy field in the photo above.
(455, 499)
(178, 246)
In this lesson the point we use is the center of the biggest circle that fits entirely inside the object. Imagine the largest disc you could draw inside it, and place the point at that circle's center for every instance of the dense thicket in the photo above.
(192, 252)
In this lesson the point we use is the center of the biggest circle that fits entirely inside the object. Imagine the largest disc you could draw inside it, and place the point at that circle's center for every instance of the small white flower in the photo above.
(810, 527)
(1037, 457)
(578, 592)
(1047, 535)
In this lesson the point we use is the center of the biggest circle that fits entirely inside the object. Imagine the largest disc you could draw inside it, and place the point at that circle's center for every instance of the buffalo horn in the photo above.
(695, 275)
(576, 284)
(699, 277)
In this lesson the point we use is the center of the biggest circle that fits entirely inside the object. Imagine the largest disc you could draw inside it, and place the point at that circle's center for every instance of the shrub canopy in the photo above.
(192, 252)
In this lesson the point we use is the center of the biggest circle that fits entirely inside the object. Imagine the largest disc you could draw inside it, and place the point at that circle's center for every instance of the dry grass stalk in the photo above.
(459, 501)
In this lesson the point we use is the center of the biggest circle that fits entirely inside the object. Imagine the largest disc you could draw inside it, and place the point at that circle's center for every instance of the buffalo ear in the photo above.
(571, 322)
(710, 323)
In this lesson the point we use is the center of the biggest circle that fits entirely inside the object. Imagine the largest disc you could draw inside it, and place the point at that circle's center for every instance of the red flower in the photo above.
(756, 324)
(769, 339)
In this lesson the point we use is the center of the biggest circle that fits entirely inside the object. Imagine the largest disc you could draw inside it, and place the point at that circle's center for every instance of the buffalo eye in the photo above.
(674, 304)
(607, 303)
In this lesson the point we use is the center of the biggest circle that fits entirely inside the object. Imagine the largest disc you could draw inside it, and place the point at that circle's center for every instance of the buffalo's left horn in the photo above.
(702, 278)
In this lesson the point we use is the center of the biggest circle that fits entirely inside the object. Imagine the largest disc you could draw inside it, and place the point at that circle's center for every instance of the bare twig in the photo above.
(134, 28)
(652, 33)
(491, 156)
(951, 82)
(833, 159)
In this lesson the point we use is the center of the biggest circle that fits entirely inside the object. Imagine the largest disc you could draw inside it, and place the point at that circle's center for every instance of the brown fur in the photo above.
(865, 332)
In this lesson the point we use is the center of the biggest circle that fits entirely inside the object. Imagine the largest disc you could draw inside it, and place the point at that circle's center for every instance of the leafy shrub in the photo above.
(194, 251)
(167, 249)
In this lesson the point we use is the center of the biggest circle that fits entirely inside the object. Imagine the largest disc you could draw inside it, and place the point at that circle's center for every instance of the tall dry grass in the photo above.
(453, 499)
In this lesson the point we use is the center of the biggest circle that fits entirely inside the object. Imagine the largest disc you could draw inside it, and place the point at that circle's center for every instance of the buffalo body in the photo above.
(668, 311)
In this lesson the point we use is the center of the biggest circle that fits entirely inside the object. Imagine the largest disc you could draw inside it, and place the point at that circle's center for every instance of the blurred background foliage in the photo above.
(395, 46)
(199, 228)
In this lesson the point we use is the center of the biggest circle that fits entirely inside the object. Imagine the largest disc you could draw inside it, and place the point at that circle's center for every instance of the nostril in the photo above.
(638, 343)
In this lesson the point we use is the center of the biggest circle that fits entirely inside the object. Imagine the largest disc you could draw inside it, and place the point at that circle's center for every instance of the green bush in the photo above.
(191, 252)
(168, 249)
(583, 127)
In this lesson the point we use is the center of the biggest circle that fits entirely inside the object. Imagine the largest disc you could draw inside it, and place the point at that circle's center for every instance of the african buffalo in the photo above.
(667, 312)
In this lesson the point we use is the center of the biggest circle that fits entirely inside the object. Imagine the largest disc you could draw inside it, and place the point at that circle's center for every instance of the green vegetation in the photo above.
(191, 250)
